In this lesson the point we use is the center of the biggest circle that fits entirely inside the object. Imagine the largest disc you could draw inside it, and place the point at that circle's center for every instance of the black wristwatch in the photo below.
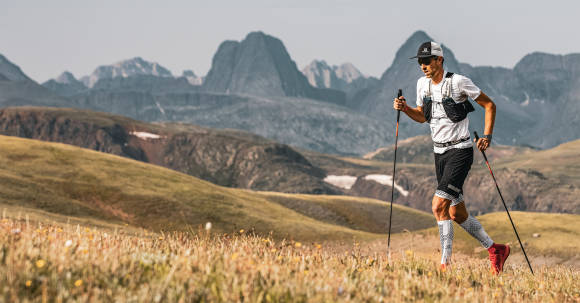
(488, 137)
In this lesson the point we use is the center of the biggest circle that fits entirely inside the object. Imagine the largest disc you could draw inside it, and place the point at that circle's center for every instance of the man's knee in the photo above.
(440, 206)
(458, 213)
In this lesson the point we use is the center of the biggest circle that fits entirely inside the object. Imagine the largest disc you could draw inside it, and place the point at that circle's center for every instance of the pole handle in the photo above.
(477, 139)
(399, 94)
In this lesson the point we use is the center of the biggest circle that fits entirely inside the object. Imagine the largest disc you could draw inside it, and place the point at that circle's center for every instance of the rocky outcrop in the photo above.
(65, 85)
(16, 88)
(126, 68)
(260, 65)
(10, 71)
(192, 78)
(346, 77)
(228, 158)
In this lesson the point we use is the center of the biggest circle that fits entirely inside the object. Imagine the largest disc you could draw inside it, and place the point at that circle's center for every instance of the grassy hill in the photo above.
(557, 239)
(53, 178)
(560, 163)
(72, 263)
(557, 235)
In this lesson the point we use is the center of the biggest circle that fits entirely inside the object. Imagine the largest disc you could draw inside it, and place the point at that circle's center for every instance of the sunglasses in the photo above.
(425, 60)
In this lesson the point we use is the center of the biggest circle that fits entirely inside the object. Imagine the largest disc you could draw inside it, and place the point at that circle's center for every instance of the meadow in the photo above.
(74, 263)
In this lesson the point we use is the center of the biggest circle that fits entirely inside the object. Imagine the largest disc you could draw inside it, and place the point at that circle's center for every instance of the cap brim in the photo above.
(421, 56)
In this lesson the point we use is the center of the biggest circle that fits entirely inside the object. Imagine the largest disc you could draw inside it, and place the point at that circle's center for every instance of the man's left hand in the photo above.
(482, 143)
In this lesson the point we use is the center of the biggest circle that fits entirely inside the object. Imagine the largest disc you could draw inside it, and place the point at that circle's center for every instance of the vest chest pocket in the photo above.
(456, 111)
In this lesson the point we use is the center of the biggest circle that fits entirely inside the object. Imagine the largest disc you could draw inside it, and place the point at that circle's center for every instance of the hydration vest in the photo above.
(456, 112)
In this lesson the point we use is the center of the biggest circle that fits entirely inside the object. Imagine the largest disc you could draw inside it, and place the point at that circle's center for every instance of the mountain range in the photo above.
(254, 85)
(346, 77)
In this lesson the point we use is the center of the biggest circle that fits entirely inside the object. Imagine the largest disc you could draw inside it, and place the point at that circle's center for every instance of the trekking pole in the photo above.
(399, 94)
(504, 205)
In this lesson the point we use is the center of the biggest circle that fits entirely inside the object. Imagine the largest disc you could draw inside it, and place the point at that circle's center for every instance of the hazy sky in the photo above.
(47, 37)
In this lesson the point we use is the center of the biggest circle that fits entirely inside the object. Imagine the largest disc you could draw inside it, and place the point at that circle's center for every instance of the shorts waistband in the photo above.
(450, 143)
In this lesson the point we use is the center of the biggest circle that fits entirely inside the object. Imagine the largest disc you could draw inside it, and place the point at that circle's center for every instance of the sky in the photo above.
(46, 38)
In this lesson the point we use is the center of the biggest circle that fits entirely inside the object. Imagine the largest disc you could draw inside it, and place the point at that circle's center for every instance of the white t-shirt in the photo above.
(442, 128)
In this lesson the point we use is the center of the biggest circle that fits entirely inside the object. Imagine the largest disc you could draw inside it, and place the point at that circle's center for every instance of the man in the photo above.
(442, 100)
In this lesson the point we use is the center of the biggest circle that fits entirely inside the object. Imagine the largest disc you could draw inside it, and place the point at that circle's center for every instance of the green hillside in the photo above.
(561, 162)
(557, 236)
(58, 179)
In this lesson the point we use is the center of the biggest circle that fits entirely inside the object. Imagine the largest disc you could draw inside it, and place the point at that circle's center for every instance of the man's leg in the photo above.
(471, 225)
(440, 208)
(498, 253)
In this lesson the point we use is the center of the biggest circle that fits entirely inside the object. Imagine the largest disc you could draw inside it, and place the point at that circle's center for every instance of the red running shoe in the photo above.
(498, 253)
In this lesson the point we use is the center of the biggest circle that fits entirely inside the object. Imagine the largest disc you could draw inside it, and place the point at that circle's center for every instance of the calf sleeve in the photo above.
(474, 228)
(446, 237)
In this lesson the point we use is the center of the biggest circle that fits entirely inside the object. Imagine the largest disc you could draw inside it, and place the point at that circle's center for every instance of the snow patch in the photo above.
(387, 180)
(145, 135)
(160, 108)
(527, 102)
(345, 182)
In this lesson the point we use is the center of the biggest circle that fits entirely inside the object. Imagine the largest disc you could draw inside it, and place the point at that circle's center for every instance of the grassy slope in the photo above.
(559, 235)
(67, 263)
(560, 162)
(71, 181)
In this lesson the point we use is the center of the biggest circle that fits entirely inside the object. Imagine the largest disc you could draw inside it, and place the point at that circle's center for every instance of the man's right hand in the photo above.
(400, 103)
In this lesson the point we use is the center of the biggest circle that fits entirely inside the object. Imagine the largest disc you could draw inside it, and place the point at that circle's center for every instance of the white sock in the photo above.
(474, 228)
(446, 237)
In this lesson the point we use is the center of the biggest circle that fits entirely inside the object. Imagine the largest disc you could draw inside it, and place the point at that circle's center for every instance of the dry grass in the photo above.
(66, 180)
(78, 264)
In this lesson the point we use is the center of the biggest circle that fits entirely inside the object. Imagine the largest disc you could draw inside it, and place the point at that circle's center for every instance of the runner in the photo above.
(442, 101)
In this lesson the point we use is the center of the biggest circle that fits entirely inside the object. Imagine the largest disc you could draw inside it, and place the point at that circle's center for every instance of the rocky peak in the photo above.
(65, 85)
(319, 73)
(260, 65)
(126, 68)
(347, 72)
(547, 76)
(67, 78)
(10, 71)
(188, 73)
(403, 73)
(192, 78)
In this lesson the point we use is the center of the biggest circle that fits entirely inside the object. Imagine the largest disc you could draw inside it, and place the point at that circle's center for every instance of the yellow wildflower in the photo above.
(78, 282)
(28, 283)
(40, 263)
(298, 244)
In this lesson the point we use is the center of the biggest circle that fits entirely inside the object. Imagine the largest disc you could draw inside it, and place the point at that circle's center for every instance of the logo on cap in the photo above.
(425, 50)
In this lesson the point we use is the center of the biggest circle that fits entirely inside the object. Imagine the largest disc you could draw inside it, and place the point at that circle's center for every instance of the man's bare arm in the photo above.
(413, 113)
(489, 107)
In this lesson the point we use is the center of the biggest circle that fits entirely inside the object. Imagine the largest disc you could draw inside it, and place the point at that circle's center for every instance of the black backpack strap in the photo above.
(449, 75)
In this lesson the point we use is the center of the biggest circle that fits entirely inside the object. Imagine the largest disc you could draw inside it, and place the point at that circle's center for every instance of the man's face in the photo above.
(430, 65)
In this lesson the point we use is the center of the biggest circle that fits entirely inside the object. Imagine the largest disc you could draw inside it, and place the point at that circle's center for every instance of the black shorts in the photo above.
(452, 168)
